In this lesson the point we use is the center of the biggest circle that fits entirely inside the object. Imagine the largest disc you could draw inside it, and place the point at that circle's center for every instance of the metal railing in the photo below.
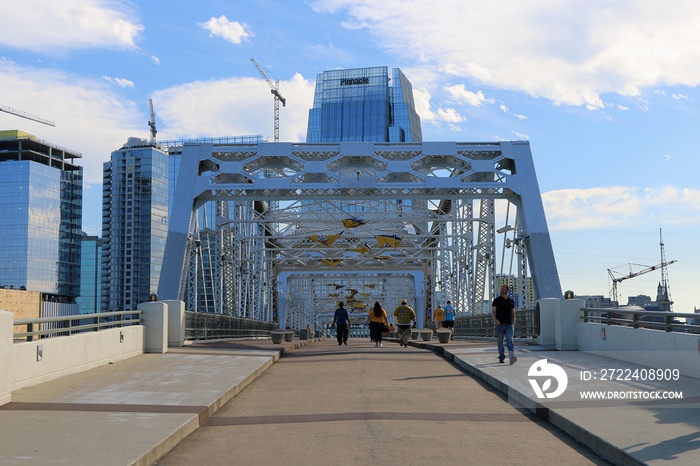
(527, 325)
(50, 327)
(655, 320)
(207, 326)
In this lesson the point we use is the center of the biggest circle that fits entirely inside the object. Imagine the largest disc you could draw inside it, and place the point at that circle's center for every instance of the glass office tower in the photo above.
(134, 224)
(90, 274)
(40, 216)
(363, 104)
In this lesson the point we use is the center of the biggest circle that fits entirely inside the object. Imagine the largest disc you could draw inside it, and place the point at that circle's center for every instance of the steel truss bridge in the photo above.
(294, 228)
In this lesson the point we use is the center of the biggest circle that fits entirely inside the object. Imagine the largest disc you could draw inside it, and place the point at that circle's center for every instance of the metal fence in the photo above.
(49, 327)
(527, 325)
(207, 326)
(655, 320)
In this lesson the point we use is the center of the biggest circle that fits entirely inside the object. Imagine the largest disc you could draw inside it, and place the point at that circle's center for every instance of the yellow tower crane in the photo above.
(275, 90)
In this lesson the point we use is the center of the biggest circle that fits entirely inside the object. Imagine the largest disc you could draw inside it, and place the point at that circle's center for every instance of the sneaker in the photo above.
(512, 360)
(380, 344)
(376, 345)
(500, 361)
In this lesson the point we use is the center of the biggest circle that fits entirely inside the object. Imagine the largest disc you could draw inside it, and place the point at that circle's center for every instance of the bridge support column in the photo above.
(6, 321)
(419, 299)
(282, 300)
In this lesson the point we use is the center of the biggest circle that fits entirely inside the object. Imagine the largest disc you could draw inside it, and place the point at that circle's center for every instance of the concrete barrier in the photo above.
(38, 361)
(426, 334)
(277, 336)
(6, 321)
(444, 335)
(176, 323)
(155, 321)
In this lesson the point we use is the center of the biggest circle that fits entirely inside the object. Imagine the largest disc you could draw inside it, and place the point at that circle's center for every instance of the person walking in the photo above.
(449, 321)
(438, 316)
(376, 319)
(503, 314)
(405, 316)
(341, 320)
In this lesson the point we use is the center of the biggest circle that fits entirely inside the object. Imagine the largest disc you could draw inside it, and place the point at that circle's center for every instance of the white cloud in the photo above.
(232, 31)
(121, 82)
(155, 60)
(620, 206)
(461, 95)
(570, 52)
(90, 118)
(233, 107)
(449, 115)
(45, 26)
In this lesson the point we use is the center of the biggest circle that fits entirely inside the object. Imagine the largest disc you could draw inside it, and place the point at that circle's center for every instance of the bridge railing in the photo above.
(527, 325)
(655, 320)
(49, 327)
(208, 326)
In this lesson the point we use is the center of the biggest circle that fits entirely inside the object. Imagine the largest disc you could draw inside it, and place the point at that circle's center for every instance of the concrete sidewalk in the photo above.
(135, 411)
(130, 412)
(632, 428)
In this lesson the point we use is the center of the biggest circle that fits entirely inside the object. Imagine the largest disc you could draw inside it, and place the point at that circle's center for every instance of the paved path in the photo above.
(360, 405)
(240, 402)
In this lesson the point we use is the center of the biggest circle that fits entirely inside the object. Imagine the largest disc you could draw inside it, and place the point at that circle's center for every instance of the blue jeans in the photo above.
(507, 332)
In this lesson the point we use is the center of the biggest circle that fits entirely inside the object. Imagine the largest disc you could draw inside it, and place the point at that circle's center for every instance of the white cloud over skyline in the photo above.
(232, 31)
(46, 26)
(571, 52)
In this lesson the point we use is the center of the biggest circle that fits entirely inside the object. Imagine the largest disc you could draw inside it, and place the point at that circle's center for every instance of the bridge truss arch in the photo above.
(294, 228)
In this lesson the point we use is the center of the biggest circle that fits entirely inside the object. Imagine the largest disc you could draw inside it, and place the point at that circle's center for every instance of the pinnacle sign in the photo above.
(353, 81)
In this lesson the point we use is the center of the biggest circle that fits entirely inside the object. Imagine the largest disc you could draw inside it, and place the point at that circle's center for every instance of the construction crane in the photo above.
(152, 121)
(616, 280)
(275, 90)
(665, 302)
(28, 116)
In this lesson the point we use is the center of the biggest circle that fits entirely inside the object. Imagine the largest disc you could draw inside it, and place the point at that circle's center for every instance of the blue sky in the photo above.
(606, 93)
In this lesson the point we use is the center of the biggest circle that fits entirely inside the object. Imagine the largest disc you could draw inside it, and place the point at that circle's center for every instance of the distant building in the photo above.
(41, 191)
(363, 104)
(90, 274)
(134, 224)
(641, 300)
(511, 281)
(596, 301)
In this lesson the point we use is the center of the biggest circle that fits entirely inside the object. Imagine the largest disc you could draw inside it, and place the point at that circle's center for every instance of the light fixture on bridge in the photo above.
(505, 229)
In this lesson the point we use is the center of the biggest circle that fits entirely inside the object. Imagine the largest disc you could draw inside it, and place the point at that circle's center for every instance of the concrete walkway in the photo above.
(136, 411)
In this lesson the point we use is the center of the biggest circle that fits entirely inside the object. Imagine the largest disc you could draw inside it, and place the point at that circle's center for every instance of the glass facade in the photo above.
(134, 224)
(90, 274)
(363, 104)
(40, 217)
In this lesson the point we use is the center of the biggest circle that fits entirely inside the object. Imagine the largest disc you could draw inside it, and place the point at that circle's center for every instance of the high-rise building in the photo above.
(134, 224)
(90, 274)
(363, 104)
(41, 191)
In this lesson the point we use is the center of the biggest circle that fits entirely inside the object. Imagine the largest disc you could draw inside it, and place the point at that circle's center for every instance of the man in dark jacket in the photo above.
(503, 314)
(341, 320)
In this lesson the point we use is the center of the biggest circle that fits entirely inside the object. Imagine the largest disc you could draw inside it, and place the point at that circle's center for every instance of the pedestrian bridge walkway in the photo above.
(313, 402)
